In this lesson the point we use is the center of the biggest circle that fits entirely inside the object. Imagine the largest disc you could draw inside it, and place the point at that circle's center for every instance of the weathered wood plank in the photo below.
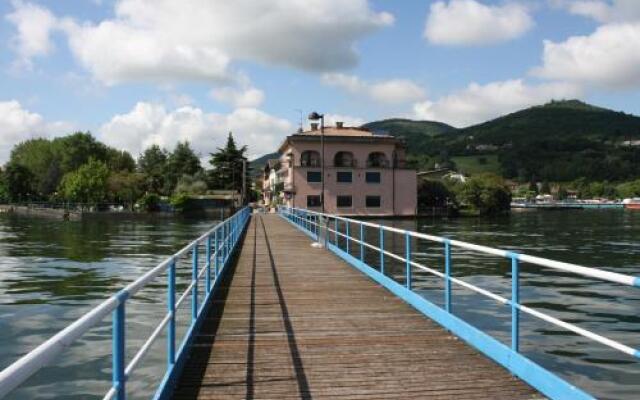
(292, 321)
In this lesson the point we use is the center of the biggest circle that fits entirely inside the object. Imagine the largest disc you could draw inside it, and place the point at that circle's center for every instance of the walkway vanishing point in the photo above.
(292, 321)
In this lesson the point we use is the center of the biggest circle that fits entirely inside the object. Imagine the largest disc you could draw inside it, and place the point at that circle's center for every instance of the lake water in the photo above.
(53, 272)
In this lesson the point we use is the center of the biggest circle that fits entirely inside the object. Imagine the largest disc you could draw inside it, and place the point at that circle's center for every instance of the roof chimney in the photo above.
(314, 126)
(339, 124)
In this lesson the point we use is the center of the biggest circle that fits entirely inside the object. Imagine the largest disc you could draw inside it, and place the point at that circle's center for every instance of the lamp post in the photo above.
(314, 116)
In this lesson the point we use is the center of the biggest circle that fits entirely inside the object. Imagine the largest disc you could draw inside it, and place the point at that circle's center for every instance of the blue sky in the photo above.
(138, 72)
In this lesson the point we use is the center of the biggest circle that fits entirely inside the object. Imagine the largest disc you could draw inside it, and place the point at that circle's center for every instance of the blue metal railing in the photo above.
(225, 239)
(322, 227)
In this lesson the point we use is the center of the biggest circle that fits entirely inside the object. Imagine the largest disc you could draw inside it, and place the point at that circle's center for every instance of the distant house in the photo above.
(216, 199)
(271, 181)
(434, 174)
(364, 174)
(631, 143)
(455, 176)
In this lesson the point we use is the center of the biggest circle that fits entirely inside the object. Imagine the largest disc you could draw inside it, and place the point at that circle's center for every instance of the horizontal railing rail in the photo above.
(225, 237)
(327, 228)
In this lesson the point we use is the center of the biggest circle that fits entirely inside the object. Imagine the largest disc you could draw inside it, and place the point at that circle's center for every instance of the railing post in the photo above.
(335, 233)
(207, 276)
(171, 308)
(447, 275)
(225, 244)
(118, 350)
(381, 250)
(194, 289)
(361, 242)
(216, 254)
(407, 255)
(515, 302)
(346, 231)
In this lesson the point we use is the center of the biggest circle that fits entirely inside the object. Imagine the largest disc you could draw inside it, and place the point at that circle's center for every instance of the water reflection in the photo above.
(53, 272)
(604, 239)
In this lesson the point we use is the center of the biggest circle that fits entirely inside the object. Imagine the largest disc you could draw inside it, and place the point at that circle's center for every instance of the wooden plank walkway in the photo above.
(292, 321)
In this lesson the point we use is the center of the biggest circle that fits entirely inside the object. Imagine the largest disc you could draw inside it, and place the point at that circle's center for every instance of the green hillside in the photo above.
(566, 119)
(258, 164)
(558, 141)
(419, 135)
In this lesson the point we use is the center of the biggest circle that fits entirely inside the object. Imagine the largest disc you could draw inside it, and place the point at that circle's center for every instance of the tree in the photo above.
(19, 182)
(434, 194)
(120, 161)
(88, 184)
(153, 164)
(4, 190)
(40, 158)
(486, 193)
(227, 166)
(629, 189)
(545, 188)
(75, 150)
(191, 184)
(125, 187)
(562, 193)
(182, 161)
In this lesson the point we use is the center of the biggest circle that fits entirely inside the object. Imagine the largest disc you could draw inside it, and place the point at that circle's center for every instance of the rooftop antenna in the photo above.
(301, 119)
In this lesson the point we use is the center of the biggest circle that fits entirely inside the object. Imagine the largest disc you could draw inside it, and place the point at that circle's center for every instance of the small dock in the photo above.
(292, 321)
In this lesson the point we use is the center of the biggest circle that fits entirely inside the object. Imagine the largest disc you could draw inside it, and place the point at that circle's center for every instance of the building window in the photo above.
(372, 177)
(372, 201)
(377, 160)
(310, 158)
(314, 176)
(343, 176)
(344, 159)
(343, 201)
(313, 201)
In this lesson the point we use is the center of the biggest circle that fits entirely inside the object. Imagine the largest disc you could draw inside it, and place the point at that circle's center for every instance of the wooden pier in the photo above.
(292, 321)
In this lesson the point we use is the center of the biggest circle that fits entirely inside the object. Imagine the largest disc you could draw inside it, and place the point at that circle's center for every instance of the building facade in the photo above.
(364, 174)
(272, 185)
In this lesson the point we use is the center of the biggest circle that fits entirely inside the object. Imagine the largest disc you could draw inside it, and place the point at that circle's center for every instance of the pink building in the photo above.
(364, 174)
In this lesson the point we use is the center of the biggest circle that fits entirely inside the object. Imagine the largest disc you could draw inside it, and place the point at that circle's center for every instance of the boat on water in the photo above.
(632, 204)
(518, 204)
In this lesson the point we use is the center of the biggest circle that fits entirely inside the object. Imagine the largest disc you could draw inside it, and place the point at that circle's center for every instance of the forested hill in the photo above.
(257, 164)
(570, 119)
(558, 141)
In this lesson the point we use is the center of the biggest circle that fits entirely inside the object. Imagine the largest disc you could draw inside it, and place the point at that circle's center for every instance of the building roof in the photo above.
(271, 164)
(338, 133)
(335, 131)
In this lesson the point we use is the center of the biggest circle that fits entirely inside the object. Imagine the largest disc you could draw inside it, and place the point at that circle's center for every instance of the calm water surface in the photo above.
(53, 272)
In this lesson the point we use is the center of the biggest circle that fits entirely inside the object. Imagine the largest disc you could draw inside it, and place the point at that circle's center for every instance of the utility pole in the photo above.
(244, 181)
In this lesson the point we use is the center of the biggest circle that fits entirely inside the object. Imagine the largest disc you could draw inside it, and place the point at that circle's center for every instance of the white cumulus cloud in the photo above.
(32, 38)
(239, 97)
(393, 91)
(609, 57)
(601, 10)
(469, 22)
(151, 123)
(479, 103)
(18, 124)
(167, 40)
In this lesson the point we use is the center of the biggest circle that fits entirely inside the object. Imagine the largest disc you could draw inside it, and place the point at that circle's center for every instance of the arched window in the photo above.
(344, 159)
(377, 160)
(310, 158)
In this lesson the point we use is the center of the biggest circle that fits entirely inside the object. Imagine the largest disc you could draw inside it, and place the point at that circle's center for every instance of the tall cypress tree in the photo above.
(227, 166)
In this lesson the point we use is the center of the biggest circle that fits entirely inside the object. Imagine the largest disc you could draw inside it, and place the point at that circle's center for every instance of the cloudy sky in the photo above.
(139, 72)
